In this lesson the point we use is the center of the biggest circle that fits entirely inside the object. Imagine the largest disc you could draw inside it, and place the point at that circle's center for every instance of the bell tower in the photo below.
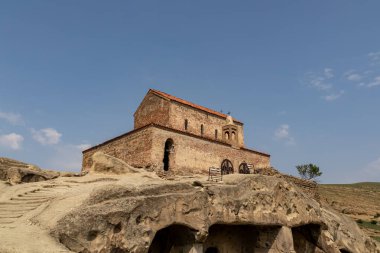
(230, 132)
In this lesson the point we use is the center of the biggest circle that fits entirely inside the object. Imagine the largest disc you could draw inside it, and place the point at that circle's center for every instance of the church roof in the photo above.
(184, 102)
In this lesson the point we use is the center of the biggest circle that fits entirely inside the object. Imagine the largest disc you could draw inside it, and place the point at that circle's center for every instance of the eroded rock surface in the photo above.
(132, 210)
(103, 163)
(16, 172)
(245, 213)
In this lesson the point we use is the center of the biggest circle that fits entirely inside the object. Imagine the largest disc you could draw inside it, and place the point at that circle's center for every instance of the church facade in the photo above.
(172, 135)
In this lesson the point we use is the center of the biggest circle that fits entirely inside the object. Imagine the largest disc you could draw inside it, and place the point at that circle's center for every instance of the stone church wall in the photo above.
(179, 112)
(153, 109)
(134, 148)
(194, 154)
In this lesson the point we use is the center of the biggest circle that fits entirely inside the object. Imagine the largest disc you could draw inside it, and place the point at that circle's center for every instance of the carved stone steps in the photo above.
(23, 203)
(2, 216)
(9, 226)
(26, 202)
(25, 198)
(7, 220)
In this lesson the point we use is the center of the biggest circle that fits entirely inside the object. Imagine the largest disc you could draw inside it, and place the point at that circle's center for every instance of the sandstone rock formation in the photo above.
(16, 172)
(245, 213)
(125, 211)
(102, 163)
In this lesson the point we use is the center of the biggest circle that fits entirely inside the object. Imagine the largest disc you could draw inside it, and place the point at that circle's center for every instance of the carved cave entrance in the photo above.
(212, 250)
(221, 239)
(305, 238)
(173, 239)
(169, 147)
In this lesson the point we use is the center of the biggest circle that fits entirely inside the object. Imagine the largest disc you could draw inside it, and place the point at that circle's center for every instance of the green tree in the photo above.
(308, 171)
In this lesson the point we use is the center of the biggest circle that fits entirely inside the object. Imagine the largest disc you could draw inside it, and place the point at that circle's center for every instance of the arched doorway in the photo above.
(175, 238)
(243, 168)
(167, 151)
(227, 167)
(212, 250)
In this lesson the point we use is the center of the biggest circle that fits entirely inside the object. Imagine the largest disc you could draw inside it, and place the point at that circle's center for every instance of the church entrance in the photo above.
(227, 167)
(167, 151)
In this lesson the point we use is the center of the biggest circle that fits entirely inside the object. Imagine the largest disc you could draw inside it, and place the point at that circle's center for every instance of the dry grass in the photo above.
(361, 201)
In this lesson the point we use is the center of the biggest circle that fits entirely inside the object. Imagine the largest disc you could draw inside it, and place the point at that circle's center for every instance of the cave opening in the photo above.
(221, 239)
(224, 238)
(305, 238)
(212, 250)
(173, 239)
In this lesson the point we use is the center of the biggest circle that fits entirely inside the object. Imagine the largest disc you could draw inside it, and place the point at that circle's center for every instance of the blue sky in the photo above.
(304, 76)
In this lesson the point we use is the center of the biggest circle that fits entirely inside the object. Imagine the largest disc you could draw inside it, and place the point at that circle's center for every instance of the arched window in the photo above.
(186, 124)
(216, 134)
(202, 130)
(227, 135)
(233, 136)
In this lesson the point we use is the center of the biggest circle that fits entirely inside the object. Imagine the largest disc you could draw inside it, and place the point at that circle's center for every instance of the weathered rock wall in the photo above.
(16, 172)
(306, 186)
(277, 216)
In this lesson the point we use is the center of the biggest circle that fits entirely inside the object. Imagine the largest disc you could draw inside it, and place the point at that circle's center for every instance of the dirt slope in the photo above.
(360, 201)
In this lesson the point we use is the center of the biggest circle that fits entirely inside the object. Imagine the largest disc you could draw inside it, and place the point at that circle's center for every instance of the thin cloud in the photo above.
(354, 77)
(13, 118)
(282, 133)
(12, 141)
(46, 136)
(372, 169)
(323, 83)
(320, 81)
(331, 88)
(375, 82)
(332, 97)
(374, 166)
(374, 56)
(329, 73)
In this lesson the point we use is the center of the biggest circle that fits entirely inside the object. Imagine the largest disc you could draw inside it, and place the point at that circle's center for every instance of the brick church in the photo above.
(172, 135)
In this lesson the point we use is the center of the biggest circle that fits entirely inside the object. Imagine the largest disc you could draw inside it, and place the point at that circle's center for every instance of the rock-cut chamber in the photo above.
(221, 239)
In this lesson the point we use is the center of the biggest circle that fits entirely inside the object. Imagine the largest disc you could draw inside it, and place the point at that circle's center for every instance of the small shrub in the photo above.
(373, 222)
(377, 215)
(360, 221)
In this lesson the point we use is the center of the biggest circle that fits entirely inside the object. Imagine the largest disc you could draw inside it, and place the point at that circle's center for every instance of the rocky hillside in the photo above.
(15, 172)
(360, 201)
(142, 213)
